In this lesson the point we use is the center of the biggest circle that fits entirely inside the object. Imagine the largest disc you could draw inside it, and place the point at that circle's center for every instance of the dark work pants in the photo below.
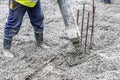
(107, 1)
(14, 21)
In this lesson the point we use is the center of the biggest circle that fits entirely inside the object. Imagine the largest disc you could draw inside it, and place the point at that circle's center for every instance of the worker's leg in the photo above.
(36, 18)
(12, 26)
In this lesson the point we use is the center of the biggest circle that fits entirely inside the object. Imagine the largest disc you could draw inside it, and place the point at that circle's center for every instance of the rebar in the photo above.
(92, 30)
(87, 31)
(82, 22)
(78, 12)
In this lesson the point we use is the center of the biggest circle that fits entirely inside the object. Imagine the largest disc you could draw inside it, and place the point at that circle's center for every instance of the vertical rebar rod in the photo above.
(87, 31)
(92, 30)
(82, 22)
(78, 12)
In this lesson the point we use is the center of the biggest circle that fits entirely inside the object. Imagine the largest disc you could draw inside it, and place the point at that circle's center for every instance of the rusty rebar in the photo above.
(78, 12)
(82, 22)
(86, 37)
(92, 30)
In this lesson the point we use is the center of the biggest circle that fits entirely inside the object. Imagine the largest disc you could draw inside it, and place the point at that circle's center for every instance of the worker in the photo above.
(17, 9)
(107, 1)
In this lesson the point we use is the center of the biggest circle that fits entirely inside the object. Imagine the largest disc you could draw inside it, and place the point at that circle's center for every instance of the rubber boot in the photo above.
(39, 40)
(6, 48)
